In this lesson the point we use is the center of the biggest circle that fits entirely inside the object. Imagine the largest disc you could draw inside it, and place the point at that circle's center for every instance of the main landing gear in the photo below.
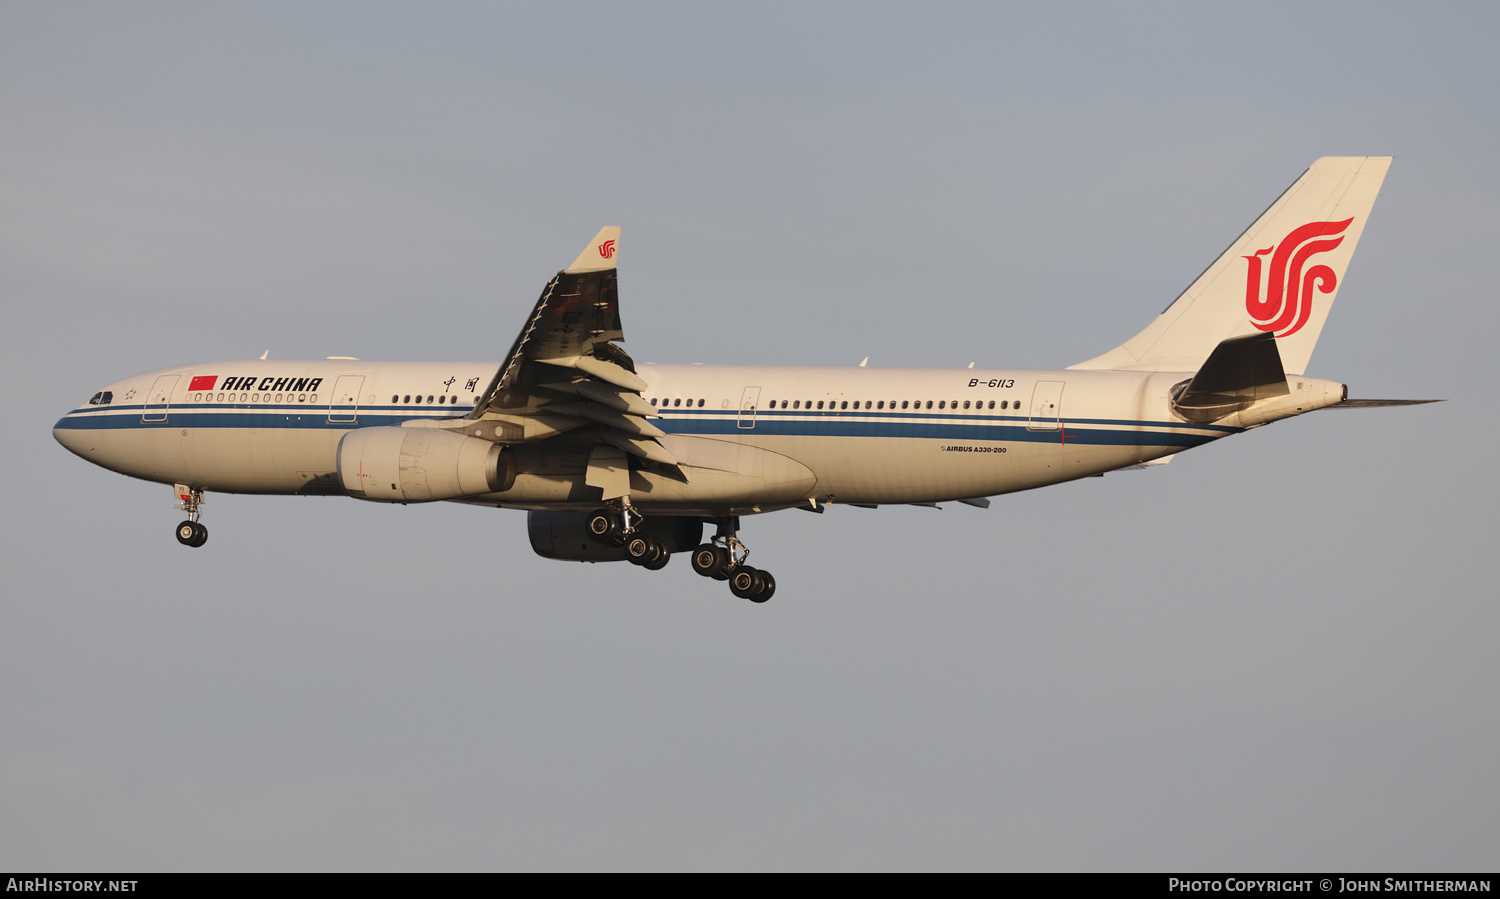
(723, 559)
(191, 532)
(621, 527)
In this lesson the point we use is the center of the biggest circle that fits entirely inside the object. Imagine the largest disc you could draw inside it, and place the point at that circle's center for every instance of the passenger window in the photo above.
(992, 404)
(419, 398)
(653, 401)
(408, 398)
(880, 405)
(796, 404)
(820, 404)
(254, 397)
(940, 404)
(701, 402)
(903, 403)
(396, 398)
(429, 398)
(929, 404)
(677, 402)
(867, 404)
(1017, 405)
(1004, 404)
(966, 404)
(844, 404)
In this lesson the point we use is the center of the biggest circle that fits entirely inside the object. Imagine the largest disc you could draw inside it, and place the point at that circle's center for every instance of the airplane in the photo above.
(616, 461)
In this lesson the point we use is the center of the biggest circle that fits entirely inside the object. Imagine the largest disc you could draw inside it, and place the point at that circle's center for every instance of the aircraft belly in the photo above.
(234, 460)
(906, 470)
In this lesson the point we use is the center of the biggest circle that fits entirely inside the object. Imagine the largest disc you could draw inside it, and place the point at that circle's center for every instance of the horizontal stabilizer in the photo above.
(1372, 404)
(1238, 372)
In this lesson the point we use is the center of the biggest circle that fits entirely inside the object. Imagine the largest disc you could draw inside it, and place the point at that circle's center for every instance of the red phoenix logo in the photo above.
(1289, 288)
(607, 249)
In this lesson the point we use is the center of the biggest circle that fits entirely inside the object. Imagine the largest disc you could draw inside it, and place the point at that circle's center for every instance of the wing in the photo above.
(565, 374)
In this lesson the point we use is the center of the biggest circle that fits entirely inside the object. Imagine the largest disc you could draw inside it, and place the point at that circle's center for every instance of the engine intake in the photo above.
(419, 465)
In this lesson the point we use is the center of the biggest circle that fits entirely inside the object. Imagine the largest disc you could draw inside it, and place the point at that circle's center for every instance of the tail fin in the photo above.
(1280, 276)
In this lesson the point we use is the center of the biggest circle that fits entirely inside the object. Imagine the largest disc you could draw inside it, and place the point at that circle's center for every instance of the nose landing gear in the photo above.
(723, 559)
(191, 532)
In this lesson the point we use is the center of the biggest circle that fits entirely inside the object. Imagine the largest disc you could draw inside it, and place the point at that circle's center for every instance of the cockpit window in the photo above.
(102, 398)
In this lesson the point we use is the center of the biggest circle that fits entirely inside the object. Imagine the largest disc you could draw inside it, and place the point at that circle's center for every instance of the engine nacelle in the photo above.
(565, 536)
(419, 465)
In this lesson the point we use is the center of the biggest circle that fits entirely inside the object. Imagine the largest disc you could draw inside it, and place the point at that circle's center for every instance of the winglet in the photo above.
(600, 254)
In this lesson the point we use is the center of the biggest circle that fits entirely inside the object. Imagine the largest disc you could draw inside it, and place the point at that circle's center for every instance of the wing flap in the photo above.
(606, 394)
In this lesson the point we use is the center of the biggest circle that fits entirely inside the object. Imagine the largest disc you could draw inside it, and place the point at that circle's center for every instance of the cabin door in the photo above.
(748, 401)
(345, 398)
(1046, 406)
(160, 398)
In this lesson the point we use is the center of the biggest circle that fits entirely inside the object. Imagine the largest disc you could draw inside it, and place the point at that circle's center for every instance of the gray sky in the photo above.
(1277, 653)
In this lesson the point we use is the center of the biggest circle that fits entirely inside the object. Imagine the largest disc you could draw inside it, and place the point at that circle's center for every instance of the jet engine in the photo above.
(565, 536)
(419, 465)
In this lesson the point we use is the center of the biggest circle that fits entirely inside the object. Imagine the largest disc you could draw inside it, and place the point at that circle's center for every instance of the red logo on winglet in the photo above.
(203, 382)
(1289, 288)
(607, 249)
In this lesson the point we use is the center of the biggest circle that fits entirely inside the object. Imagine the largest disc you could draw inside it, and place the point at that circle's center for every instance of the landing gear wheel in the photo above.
(659, 557)
(187, 532)
(191, 533)
(637, 550)
(745, 582)
(711, 561)
(767, 587)
(605, 527)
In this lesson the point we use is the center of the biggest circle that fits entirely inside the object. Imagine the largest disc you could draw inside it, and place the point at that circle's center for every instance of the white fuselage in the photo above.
(866, 435)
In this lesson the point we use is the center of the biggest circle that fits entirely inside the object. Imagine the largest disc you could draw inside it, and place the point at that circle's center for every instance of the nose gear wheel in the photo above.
(191, 532)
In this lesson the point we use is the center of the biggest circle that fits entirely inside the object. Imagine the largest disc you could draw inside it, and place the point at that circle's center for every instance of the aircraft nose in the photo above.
(73, 440)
